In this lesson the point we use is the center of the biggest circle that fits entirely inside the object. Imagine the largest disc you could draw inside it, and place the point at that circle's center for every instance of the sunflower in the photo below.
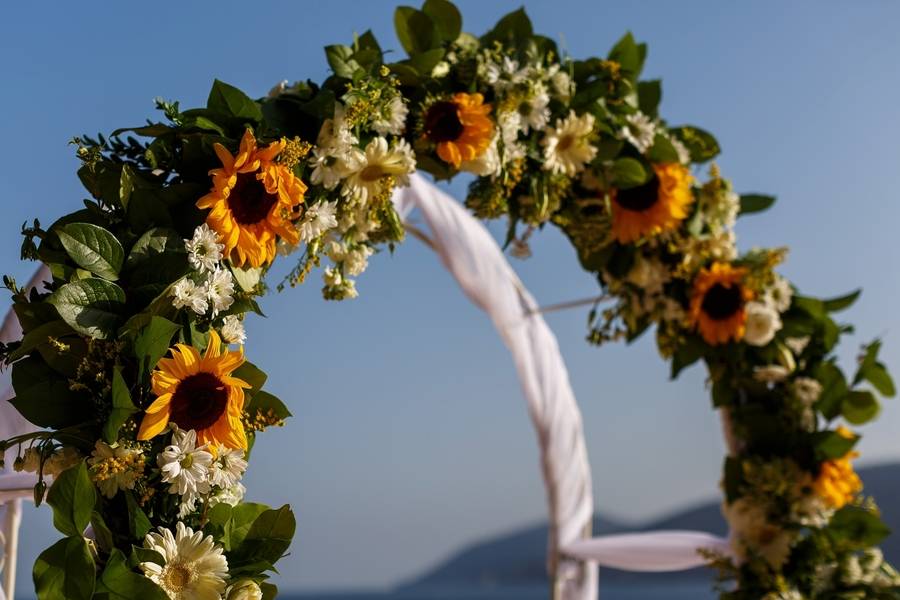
(837, 483)
(199, 393)
(460, 127)
(718, 303)
(253, 200)
(656, 206)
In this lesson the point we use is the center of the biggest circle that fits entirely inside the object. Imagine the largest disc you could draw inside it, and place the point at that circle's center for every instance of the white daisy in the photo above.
(194, 567)
(231, 496)
(233, 330)
(780, 294)
(763, 322)
(184, 466)
(392, 118)
(536, 111)
(228, 467)
(116, 467)
(317, 219)
(639, 131)
(567, 146)
(364, 181)
(219, 290)
(334, 151)
(204, 249)
(510, 123)
(187, 294)
(562, 85)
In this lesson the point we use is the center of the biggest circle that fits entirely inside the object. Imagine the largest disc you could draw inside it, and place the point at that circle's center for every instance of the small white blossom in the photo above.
(233, 330)
(184, 465)
(440, 70)
(318, 219)
(562, 85)
(771, 373)
(763, 322)
(187, 294)
(536, 113)
(797, 344)
(231, 496)
(807, 390)
(228, 467)
(391, 120)
(639, 131)
(781, 294)
(220, 290)
(123, 476)
(204, 249)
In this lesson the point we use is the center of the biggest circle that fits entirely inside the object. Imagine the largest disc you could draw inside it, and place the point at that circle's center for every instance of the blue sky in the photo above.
(410, 436)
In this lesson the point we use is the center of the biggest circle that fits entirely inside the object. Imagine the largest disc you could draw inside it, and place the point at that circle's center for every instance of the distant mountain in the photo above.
(518, 558)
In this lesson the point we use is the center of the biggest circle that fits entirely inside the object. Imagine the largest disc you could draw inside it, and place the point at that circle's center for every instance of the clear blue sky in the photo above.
(410, 436)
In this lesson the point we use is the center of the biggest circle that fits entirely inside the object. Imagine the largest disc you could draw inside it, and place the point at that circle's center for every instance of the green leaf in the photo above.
(44, 398)
(269, 537)
(126, 185)
(512, 30)
(269, 590)
(842, 302)
(154, 341)
(265, 403)
(628, 173)
(859, 407)
(65, 571)
(72, 498)
(751, 203)
(93, 248)
(880, 379)
(340, 59)
(649, 96)
(686, 355)
(834, 388)
(92, 307)
(662, 150)
(39, 336)
(122, 407)
(242, 518)
(446, 17)
(628, 54)
(251, 374)
(153, 243)
(415, 30)
(119, 582)
(701, 144)
(831, 444)
(855, 528)
(138, 523)
(229, 100)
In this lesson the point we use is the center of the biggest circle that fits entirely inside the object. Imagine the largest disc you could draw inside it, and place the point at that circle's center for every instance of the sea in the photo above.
(674, 591)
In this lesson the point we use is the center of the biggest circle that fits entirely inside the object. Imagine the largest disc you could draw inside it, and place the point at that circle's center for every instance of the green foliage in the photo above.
(72, 498)
(229, 101)
(415, 30)
(44, 398)
(119, 582)
(446, 18)
(701, 144)
(65, 570)
(628, 173)
(93, 248)
(855, 528)
(265, 402)
(93, 307)
(122, 407)
(751, 203)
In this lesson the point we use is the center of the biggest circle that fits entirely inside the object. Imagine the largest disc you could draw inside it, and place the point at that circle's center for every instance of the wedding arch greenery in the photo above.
(132, 360)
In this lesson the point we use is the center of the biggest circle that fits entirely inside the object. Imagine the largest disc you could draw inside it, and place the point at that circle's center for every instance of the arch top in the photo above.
(138, 339)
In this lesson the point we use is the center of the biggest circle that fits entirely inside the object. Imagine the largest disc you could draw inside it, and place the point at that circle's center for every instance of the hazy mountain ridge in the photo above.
(518, 558)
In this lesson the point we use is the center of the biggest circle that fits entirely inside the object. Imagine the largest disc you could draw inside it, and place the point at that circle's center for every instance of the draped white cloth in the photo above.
(472, 256)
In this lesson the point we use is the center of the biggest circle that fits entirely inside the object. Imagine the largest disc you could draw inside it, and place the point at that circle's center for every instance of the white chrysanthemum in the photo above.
(567, 146)
(187, 294)
(720, 207)
(335, 152)
(244, 589)
(780, 294)
(770, 373)
(562, 85)
(355, 261)
(380, 160)
(337, 286)
(807, 390)
(797, 344)
(204, 249)
(227, 468)
(684, 155)
(510, 124)
(194, 567)
(639, 131)
(116, 467)
(752, 533)
(233, 330)
(649, 274)
(220, 290)
(763, 322)
(391, 120)
(231, 496)
(487, 163)
(505, 74)
(184, 466)
(536, 113)
(317, 219)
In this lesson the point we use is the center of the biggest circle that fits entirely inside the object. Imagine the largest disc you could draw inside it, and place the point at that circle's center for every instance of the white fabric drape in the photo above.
(472, 256)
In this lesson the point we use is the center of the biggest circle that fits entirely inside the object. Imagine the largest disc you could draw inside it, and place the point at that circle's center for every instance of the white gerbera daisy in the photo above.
(233, 330)
(194, 567)
(227, 468)
(640, 131)
(187, 294)
(391, 120)
(219, 290)
(317, 219)
(763, 322)
(379, 161)
(567, 146)
(184, 466)
(204, 249)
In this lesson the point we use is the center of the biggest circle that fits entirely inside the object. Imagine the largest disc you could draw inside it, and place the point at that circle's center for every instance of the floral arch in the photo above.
(132, 359)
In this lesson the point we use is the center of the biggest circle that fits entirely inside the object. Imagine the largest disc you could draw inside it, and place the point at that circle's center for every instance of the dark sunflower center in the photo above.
(249, 201)
(199, 401)
(721, 302)
(639, 198)
(442, 122)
